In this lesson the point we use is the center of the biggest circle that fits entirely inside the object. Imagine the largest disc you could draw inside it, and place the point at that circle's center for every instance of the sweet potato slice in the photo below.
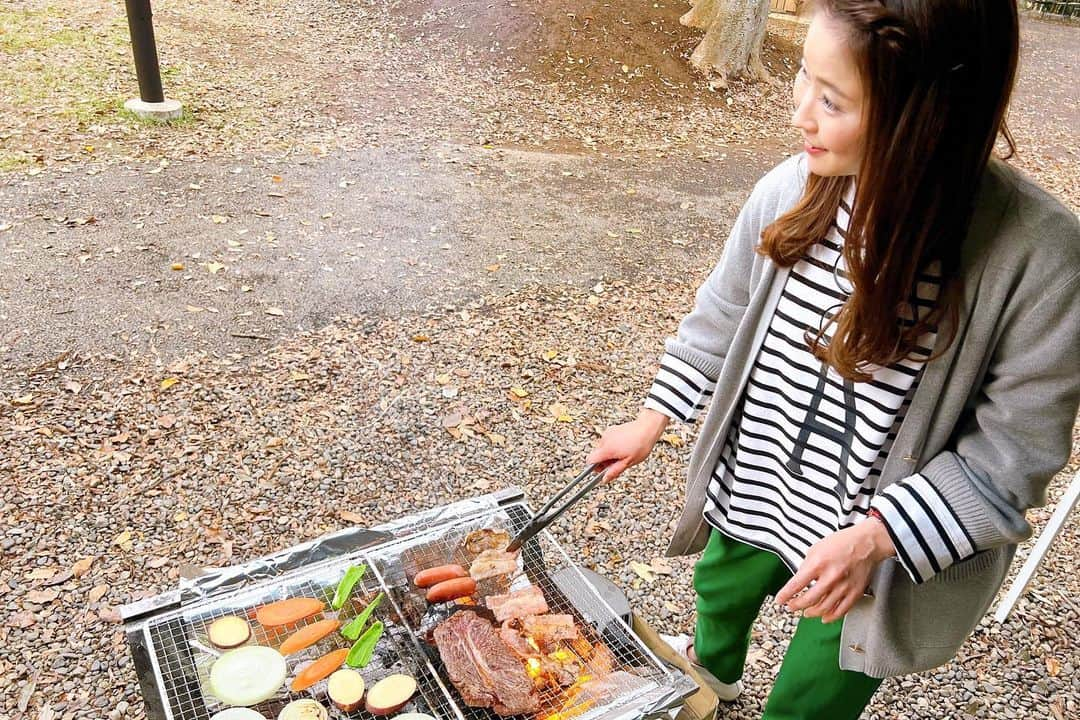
(319, 669)
(288, 612)
(346, 689)
(307, 636)
(228, 632)
(390, 694)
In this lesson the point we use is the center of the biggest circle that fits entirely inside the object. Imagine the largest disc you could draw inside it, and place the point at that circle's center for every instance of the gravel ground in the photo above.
(128, 460)
(215, 460)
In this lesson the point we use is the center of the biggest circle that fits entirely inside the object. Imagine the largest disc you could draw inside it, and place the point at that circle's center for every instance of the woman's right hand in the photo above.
(628, 444)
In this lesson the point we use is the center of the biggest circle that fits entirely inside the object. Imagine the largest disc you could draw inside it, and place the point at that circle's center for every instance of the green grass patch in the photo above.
(10, 161)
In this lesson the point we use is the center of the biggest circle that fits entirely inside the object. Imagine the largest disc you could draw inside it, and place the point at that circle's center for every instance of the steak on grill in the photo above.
(482, 667)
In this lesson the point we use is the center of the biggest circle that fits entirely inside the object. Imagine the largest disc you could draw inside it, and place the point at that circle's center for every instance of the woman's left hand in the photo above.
(839, 568)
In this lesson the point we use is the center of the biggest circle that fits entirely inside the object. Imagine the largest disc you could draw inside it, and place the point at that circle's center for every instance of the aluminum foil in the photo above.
(206, 583)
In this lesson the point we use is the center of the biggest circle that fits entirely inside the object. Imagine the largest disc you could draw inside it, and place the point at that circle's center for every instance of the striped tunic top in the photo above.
(806, 446)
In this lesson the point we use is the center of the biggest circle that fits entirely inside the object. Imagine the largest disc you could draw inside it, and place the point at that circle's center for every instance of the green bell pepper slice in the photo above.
(352, 630)
(361, 652)
(345, 587)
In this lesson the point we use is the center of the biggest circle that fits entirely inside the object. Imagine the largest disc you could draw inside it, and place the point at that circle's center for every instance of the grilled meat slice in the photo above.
(482, 667)
(518, 604)
(492, 563)
(478, 541)
(549, 629)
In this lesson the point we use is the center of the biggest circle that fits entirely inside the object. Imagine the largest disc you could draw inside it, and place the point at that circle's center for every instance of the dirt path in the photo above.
(381, 231)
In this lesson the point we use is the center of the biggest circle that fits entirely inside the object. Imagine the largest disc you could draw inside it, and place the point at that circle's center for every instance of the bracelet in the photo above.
(876, 515)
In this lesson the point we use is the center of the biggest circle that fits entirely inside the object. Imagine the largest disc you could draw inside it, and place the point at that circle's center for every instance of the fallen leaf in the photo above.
(96, 593)
(58, 579)
(550, 355)
(420, 337)
(25, 695)
(47, 713)
(452, 420)
(107, 614)
(20, 620)
(177, 266)
(157, 562)
(26, 399)
(219, 219)
(443, 379)
(166, 421)
(560, 412)
(352, 517)
(277, 312)
(660, 566)
(214, 268)
(519, 392)
(123, 541)
(169, 382)
(73, 387)
(41, 574)
(672, 440)
(1053, 667)
(493, 268)
(40, 597)
(645, 572)
(296, 376)
(81, 567)
(194, 309)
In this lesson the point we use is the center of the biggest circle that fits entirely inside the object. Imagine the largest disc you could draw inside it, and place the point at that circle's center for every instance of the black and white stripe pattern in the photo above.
(806, 449)
(927, 533)
(680, 390)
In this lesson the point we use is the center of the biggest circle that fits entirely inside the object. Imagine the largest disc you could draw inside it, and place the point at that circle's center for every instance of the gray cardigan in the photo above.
(989, 424)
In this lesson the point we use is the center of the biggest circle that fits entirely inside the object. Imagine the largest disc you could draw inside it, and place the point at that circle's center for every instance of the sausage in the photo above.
(435, 575)
(451, 590)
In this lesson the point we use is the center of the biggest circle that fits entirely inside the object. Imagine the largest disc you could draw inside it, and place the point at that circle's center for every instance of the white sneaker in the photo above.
(724, 691)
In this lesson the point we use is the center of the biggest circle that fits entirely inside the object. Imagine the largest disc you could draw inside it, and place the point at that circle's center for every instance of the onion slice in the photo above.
(305, 709)
(238, 713)
(247, 676)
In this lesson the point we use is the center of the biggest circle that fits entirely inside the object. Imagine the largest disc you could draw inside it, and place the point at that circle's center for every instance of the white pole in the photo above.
(1046, 538)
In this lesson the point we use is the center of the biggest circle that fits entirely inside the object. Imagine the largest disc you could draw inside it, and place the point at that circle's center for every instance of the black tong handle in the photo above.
(580, 486)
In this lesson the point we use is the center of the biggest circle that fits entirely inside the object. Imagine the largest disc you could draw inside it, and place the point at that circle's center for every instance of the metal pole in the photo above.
(141, 26)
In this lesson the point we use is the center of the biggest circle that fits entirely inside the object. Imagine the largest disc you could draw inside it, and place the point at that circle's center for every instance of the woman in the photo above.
(891, 341)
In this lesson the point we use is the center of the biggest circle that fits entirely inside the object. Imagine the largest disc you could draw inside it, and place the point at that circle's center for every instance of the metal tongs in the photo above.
(580, 486)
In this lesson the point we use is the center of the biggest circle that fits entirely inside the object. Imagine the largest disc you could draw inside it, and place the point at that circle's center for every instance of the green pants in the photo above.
(732, 580)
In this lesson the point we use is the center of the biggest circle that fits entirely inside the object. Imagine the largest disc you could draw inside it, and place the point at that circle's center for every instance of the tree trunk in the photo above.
(734, 34)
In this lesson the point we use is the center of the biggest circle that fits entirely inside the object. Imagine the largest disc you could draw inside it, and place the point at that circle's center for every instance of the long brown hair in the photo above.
(939, 74)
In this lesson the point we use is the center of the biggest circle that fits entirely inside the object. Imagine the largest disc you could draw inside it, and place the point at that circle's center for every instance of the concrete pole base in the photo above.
(162, 111)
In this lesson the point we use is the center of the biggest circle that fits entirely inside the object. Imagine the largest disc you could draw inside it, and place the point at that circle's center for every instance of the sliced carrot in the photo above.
(308, 636)
(287, 612)
(321, 668)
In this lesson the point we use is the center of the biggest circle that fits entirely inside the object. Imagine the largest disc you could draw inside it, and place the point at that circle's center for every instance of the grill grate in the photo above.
(181, 656)
(544, 564)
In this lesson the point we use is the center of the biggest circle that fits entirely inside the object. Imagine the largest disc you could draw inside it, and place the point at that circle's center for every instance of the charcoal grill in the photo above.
(167, 633)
